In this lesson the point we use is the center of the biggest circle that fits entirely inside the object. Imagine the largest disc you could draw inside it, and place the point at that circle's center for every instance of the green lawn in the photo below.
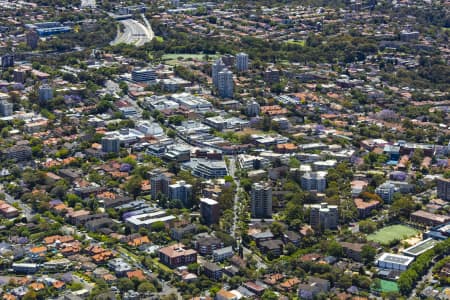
(161, 266)
(173, 58)
(390, 233)
(296, 42)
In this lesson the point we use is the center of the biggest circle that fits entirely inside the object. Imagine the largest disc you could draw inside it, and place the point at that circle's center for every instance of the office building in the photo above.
(181, 191)
(386, 191)
(261, 200)
(408, 36)
(252, 162)
(210, 169)
(25, 268)
(252, 109)
(217, 67)
(143, 75)
(314, 181)
(394, 261)
(45, 93)
(145, 220)
(32, 38)
(209, 211)
(110, 144)
(19, 75)
(323, 216)
(228, 60)
(440, 233)
(53, 30)
(159, 182)
(242, 62)
(225, 84)
(6, 108)
(222, 254)
(443, 188)
(272, 75)
(7, 61)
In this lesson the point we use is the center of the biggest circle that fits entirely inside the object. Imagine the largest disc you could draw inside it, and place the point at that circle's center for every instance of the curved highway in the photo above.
(135, 33)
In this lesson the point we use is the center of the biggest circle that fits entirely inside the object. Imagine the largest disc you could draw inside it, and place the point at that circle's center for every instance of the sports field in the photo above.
(390, 233)
(386, 286)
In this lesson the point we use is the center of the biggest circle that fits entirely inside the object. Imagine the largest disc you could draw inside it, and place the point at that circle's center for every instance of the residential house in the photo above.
(353, 250)
(313, 287)
(272, 247)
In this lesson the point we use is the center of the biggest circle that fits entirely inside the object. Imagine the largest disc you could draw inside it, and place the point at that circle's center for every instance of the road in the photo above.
(166, 288)
(113, 88)
(134, 33)
(425, 279)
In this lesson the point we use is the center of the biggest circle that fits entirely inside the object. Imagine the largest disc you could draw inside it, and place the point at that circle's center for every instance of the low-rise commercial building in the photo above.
(394, 261)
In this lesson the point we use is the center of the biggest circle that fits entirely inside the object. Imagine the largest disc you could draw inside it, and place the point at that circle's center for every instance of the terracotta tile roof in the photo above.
(9, 297)
(61, 238)
(37, 286)
(290, 283)
(137, 273)
(58, 284)
(361, 204)
(273, 278)
(176, 250)
(39, 249)
(310, 257)
(139, 241)
(102, 256)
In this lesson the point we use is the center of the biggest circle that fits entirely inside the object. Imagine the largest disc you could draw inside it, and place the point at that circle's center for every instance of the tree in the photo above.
(269, 295)
(276, 228)
(246, 184)
(335, 249)
(344, 281)
(367, 226)
(145, 287)
(403, 206)
(157, 226)
(133, 186)
(125, 284)
(417, 157)
(368, 253)
(30, 295)
(123, 86)
(290, 248)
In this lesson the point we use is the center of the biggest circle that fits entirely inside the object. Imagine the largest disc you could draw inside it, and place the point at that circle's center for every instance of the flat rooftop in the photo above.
(420, 247)
(395, 259)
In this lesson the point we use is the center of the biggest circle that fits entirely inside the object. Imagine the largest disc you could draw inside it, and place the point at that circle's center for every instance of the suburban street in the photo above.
(134, 33)
(26, 210)
(232, 171)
